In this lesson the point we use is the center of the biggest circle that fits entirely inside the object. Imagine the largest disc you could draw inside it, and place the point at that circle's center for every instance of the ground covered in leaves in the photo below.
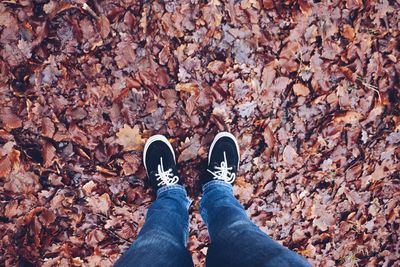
(311, 90)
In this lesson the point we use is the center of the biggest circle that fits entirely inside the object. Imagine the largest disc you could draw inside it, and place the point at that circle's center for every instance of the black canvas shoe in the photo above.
(159, 161)
(223, 159)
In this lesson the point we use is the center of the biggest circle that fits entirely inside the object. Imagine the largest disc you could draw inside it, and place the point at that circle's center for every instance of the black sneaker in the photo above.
(159, 161)
(223, 159)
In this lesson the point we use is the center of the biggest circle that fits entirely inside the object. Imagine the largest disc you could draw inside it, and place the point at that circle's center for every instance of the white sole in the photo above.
(220, 135)
(157, 137)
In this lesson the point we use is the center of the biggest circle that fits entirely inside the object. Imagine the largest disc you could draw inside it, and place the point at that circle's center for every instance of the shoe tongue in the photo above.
(217, 159)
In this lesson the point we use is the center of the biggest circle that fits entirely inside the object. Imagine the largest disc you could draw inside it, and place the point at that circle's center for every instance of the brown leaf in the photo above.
(5, 166)
(48, 128)
(349, 117)
(190, 104)
(100, 204)
(131, 164)
(268, 75)
(105, 171)
(10, 160)
(305, 7)
(298, 235)
(48, 154)
(289, 155)
(301, 90)
(130, 138)
(20, 181)
(348, 32)
(95, 237)
(125, 54)
(216, 67)
(268, 4)
(10, 120)
(127, 231)
(187, 87)
(162, 77)
(279, 84)
(88, 187)
(104, 26)
(12, 209)
(47, 217)
(324, 221)
(269, 140)
(190, 149)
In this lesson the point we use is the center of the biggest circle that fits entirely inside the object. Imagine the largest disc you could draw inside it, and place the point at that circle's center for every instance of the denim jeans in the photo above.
(235, 240)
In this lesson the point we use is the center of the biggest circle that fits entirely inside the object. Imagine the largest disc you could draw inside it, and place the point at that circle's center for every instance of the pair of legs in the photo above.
(235, 240)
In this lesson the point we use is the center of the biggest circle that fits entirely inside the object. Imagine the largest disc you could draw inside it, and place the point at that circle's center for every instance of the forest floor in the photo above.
(310, 89)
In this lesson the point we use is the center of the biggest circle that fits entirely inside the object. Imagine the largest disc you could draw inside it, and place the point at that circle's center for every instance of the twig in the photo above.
(90, 10)
(370, 86)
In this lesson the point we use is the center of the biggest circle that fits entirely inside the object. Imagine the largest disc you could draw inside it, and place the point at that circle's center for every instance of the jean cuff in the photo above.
(179, 189)
(216, 183)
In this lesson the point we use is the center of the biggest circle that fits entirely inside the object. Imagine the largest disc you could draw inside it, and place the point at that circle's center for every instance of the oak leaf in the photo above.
(130, 138)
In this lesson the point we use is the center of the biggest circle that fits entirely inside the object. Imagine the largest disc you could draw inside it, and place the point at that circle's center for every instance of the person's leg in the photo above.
(162, 240)
(235, 240)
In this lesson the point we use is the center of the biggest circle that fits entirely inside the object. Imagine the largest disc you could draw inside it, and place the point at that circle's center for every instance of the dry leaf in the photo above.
(9, 119)
(187, 87)
(290, 155)
(348, 32)
(191, 149)
(100, 204)
(305, 7)
(48, 128)
(300, 89)
(104, 26)
(130, 138)
(48, 154)
(349, 117)
(216, 67)
(5, 166)
(88, 187)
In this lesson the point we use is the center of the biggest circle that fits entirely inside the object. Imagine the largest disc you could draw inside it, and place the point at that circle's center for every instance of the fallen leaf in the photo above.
(268, 4)
(290, 155)
(95, 237)
(88, 187)
(48, 154)
(323, 222)
(47, 217)
(190, 149)
(9, 119)
(298, 235)
(187, 87)
(5, 166)
(130, 138)
(48, 128)
(300, 89)
(216, 67)
(348, 32)
(100, 204)
(269, 140)
(104, 26)
(349, 117)
(279, 84)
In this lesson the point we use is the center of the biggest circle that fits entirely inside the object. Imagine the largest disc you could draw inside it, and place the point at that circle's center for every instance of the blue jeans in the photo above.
(235, 240)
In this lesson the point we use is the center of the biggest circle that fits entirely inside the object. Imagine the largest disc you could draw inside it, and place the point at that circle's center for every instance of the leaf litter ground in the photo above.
(311, 90)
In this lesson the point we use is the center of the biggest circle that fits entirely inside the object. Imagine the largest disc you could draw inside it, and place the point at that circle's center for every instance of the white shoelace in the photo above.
(165, 177)
(223, 172)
